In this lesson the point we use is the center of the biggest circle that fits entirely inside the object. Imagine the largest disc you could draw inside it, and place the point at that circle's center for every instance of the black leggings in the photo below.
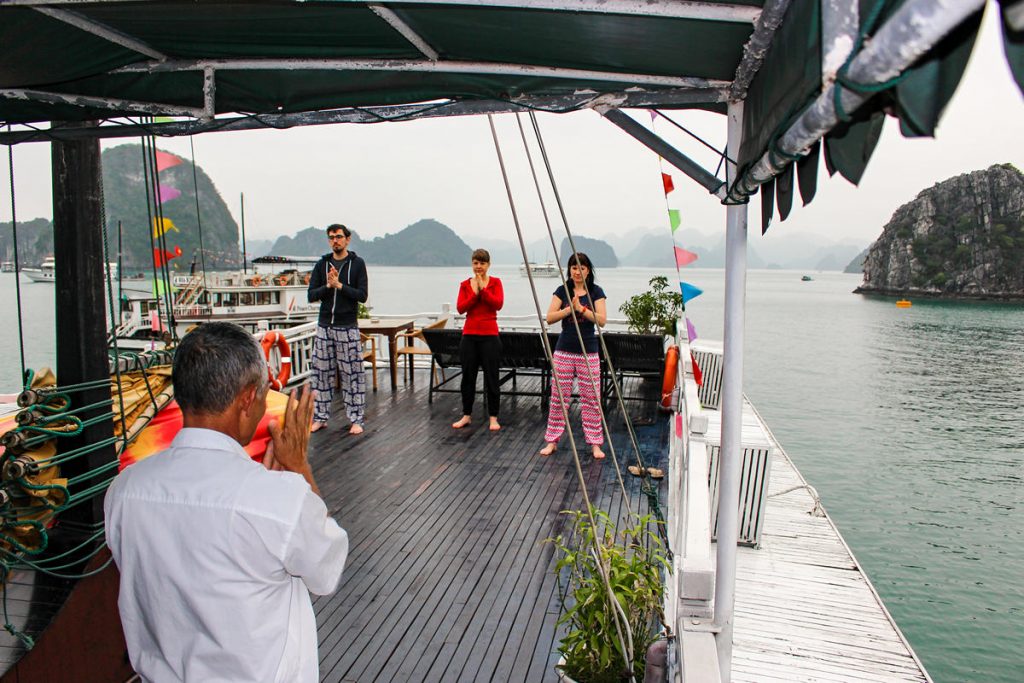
(476, 351)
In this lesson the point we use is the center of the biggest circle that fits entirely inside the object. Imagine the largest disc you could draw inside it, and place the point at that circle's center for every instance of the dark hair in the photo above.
(584, 260)
(481, 255)
(338, 226)
(213, 364)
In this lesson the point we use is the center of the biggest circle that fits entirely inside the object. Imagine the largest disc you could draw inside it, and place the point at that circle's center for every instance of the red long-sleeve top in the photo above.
(481, 309)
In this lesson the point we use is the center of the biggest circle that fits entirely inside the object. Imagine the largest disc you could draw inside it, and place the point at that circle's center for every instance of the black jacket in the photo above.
(338, 307)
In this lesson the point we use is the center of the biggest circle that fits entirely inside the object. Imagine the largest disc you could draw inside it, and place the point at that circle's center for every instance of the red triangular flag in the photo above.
(698, 376)
(666, 181)
(165, 160)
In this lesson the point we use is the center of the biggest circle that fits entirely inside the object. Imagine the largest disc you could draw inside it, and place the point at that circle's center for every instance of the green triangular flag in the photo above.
(673, 219)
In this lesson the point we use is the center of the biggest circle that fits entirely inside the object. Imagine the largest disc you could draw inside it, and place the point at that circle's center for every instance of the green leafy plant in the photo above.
(655, 311)
(633, 561)
(363, 311)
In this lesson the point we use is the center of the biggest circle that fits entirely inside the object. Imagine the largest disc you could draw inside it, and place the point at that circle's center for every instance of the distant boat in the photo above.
(46, 270)
(7, 267)
(903, 303)
(806, 278)
(546, 269)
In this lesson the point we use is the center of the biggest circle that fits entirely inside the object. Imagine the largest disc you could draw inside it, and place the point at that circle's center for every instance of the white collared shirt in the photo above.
(218, 556)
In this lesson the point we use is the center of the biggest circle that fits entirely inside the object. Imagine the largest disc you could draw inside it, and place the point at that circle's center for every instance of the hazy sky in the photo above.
(379, 178)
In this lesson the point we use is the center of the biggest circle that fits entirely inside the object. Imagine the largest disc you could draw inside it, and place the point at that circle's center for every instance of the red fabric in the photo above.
(481, 309)
(698, 376)
(666, 181)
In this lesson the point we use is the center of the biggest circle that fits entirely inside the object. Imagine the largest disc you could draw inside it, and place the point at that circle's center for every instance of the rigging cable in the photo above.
(17, 264)
(625, 645)
(199, 222)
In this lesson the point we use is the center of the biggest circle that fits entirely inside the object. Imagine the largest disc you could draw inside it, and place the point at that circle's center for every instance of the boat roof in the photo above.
(286, 260)
(252, 63)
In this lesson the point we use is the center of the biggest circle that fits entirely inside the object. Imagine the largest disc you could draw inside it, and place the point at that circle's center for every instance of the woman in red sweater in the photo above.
(480, 298)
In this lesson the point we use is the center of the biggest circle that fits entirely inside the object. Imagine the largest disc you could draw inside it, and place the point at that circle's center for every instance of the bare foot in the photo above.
(598, 453)
(358, 429)
(462, 422)
(317, 426)
(549, 448)
(494, 425)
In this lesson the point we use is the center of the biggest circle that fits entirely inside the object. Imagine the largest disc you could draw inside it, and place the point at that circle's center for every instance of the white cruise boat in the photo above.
(47, 269)
(546, 269)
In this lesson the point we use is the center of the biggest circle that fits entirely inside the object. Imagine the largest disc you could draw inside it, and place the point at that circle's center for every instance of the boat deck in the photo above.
(448, 578)
(804, 609)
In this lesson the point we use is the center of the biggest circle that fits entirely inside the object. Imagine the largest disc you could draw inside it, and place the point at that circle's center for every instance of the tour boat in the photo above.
(448, 576)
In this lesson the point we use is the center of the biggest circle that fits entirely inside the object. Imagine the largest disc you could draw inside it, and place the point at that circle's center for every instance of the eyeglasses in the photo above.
(335, 238)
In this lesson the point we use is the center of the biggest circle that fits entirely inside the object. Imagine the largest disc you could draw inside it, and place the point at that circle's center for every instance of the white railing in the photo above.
(690, 597)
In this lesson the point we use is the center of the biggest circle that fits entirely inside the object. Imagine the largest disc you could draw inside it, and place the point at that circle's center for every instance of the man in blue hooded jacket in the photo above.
(339, 283)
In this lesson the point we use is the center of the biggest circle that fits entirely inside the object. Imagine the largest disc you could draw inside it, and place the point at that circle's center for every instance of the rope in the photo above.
(555, 386)
(17, 264)
(199, 221)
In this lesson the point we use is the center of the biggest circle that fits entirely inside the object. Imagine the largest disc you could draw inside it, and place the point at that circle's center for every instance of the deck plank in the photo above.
(448, 577)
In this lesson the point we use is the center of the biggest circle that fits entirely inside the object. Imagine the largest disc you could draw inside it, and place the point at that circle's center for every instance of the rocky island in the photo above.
(961, 238)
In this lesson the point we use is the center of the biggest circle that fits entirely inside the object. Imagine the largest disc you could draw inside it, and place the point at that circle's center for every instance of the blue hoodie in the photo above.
(338, 307)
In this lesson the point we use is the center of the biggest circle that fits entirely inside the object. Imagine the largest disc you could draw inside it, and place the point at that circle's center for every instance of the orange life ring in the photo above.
(257, 280)
(305, 278)
(668, 382)
(274, 338)
(282, 279)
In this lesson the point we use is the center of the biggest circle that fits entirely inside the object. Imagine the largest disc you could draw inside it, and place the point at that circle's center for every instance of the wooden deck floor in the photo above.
(804, 609)
(448, 578)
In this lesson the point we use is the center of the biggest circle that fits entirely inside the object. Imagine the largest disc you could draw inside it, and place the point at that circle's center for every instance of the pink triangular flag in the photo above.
(168, 193)
(653, 114)
(679, 425)
(165, 160)
(683, 257)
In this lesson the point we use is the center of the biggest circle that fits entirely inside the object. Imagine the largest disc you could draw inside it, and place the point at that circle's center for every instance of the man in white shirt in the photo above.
(218, 554)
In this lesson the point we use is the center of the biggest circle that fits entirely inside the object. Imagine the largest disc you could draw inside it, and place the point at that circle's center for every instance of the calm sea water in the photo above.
(907, 421)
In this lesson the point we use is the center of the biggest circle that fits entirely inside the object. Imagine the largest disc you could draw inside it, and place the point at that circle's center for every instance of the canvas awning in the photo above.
(285, 63)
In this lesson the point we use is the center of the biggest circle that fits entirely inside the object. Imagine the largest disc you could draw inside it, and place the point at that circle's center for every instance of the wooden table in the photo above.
(389, 328)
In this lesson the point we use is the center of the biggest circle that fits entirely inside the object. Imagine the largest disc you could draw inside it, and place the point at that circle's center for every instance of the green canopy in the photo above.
(281, 63)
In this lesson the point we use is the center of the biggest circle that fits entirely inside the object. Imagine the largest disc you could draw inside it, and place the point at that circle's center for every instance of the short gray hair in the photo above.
(213, 364)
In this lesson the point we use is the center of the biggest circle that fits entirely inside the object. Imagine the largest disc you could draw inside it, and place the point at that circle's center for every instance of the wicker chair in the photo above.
(410, 350)
(370, 354)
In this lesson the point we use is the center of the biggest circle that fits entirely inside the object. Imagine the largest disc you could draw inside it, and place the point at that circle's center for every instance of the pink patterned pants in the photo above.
(587, 370)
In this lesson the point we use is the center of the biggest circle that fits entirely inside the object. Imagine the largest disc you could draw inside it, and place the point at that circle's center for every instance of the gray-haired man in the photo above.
(218, 554)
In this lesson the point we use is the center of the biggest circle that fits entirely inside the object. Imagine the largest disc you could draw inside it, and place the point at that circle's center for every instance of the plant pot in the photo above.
(562, 676)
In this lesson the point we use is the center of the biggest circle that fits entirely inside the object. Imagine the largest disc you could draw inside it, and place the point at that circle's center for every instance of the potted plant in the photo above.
(655, 311)
(633, 561)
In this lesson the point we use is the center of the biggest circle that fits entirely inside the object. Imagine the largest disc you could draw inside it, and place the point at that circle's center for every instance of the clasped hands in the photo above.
(332, 278)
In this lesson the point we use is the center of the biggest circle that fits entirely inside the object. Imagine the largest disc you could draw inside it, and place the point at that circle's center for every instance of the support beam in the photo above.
(666, 151)
(673, 9)
(209, 94)
(757, 47)
(81, 328)
(111, 104)
(419, 66)
(555, 104)
(730, 461)
(916, 27)
(95, 28)
(396, 23)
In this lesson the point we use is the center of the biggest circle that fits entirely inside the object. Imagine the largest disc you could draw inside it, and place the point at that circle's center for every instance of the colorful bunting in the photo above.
(163, 119)
(160, 257)
(167, 193)
(691, 331)
(679, 425)
(689, 291)
(653, 113)
(165, 160)
(162, 225)
(666, 182)
(683, 257)
(154, 321)
(674, 219)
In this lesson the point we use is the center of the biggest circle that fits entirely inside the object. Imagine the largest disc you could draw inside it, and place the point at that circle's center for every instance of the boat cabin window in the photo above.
(263, 298)
(230, 299)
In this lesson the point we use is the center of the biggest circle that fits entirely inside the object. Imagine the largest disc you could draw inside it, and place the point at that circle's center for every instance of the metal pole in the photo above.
(732, 408)
(244, 268)
(665, 150)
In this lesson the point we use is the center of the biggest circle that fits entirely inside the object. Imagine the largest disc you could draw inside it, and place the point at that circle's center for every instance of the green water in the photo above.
(907, 421)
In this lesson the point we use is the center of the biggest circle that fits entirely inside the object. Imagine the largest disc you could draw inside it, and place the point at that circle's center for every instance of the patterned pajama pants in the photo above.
(338, 350)
(587, 370)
